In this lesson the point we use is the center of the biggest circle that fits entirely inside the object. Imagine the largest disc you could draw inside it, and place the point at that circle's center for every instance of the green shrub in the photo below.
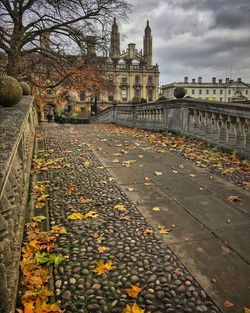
(10, 91)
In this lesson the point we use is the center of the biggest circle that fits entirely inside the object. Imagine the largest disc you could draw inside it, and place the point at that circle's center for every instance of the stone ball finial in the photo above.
(179, 92)
(26, 88)
(10, 91)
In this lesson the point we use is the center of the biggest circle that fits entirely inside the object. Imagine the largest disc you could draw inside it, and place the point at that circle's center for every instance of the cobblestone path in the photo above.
(138, 254)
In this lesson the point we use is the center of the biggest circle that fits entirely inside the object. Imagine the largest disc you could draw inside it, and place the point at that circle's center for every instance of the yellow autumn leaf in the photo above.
(102, 267)
(233, 198)
(40, 205)
(91, 214)
(158, 173)
(156, 209)
(163, 229)
(125, 218)
(102, 249)
(115, 161)
(160, 151)
(133, 309)
(76, 216)
(120, 207)
(116, 154)
(141, 156)
(86, 164)
(133, 291)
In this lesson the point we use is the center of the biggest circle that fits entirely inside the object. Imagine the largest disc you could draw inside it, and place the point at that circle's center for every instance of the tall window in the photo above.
(246, 92)
(214, 92)
(229, 92)
(150, 79)
(200, 91)
(138, 93)
(137, 79)
(221, 92)
(124, 95)
(110, 98)
(150, 95)
(193, 91)
(82, 96)
(207, 91)
(124, 79)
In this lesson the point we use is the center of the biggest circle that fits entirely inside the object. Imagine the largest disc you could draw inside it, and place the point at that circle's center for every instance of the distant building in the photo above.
(227, 91)
(131, 71)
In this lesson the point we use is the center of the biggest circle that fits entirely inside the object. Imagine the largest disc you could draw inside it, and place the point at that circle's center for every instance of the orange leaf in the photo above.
(102, 249)
(133, 291)
(133, 309)
(83, 200)
(70, 189)
(228, 304)
(102, 268)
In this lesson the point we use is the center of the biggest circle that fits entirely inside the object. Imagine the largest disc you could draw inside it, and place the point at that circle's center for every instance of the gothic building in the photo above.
(131, 71)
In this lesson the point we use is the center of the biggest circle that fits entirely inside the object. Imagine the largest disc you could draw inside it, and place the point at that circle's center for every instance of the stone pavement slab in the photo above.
(198, 238)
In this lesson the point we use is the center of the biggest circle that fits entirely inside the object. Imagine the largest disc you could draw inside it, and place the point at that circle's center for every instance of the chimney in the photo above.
(239, 79)
(131, 50)
(91, 45)
(220, 81)
(193, 81)
(227, 80)
(214, 80)
(199, 80)
(185, 79)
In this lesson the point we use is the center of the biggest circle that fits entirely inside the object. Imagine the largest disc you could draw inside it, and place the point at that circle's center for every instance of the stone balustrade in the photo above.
(17, 133)
(226, 125)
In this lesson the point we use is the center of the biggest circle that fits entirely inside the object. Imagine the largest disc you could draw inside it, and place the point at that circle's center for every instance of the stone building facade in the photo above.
(227, 91)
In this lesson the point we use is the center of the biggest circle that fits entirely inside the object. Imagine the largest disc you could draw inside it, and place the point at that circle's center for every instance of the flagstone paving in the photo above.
(207, 238)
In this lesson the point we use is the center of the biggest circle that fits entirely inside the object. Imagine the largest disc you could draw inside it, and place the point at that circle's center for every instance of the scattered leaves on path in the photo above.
(133, 291)
(80, 216)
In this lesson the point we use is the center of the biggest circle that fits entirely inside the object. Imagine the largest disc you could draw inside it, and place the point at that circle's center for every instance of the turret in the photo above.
(115, 41)
(147, 45)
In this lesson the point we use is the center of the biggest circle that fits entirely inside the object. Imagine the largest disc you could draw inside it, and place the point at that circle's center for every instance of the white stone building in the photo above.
(227, 91)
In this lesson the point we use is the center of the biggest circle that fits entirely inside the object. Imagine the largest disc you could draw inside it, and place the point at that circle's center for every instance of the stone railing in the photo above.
(225, 125)
(17, 134)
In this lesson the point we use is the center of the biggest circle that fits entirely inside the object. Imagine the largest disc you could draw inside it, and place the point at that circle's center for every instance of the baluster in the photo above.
(208, 126)
(247, 132)
(215, 131)
(190, 121)
(231, 132)
(201, 120)
(196, 123)
(223, 136)
(240, 134)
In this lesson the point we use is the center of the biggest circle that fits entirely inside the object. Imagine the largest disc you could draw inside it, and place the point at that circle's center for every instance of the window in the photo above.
(110, 98)
(200, 91)
(193, 91)
(124, 79)
(229, 92)
(150, 79)
(214, 92)
(221, 99)
(110, 77)
(124, 95)
(138, 93)
(82, 96)
(137, 79)
(150, 95)
(207, 91)
(221, 92)
(246, 92)
(82, 110)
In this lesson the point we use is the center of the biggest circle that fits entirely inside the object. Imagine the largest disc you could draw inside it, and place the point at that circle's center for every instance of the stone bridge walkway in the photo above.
(174, 234)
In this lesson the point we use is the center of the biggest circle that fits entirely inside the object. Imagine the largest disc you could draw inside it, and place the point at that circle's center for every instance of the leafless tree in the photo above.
(64, 26)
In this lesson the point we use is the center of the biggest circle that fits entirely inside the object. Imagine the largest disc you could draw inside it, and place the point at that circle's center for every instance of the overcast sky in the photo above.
(194, 37)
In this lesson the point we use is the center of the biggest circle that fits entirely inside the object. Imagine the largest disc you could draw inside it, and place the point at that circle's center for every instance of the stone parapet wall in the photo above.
(17, 134)
(226, 125)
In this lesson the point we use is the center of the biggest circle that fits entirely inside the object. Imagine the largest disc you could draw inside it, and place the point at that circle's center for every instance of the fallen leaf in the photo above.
(146, 178)
(70, 189)
(192, 175)
(246, 184)
(225, 250)
(38, 218)
(125, 218)
(148, 184)
(102, 268)
(115, 161)
(130, 189)
(40, 205)
(156, 209)
(201, 188)
(86, 164)
(117, 154)
(76, 216)
(120, 207)
(246, 310)
(141, 156)
(133, 291)
(102, 249)
(213, 280)
(233, 198)
(111, 178)
(163, 229)
(181, 166)
(133, 309)
(84, 200)
(200, 249)
(228, 221)
(176, 172)
(100, 167)
(148, 232)
(91, 214)
(178, 272)
(160, 151)
(228, 304)
(158, 173)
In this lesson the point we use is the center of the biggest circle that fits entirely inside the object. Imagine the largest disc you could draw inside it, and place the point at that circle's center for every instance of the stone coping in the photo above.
(12, 120)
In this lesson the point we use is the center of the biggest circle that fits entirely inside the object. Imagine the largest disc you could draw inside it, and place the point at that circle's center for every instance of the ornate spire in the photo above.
(147, 45)
(115, 41)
